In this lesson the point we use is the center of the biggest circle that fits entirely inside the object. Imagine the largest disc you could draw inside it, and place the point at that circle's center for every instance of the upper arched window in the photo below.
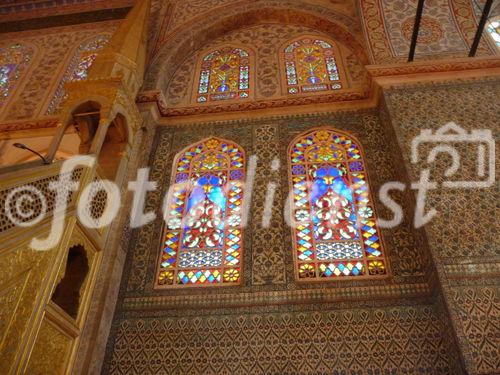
(14, 62)
(202, 243)
(333, 217)
(310, 66)
(78, 68)
(224, 75)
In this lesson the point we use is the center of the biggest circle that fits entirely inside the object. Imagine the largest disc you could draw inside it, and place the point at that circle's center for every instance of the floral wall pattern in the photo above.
(447, 29)
(462, 237)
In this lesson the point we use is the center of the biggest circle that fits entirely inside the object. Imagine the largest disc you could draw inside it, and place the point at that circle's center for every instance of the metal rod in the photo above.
(85, 114)
(416, 29)
(480, 28)
(24, 147)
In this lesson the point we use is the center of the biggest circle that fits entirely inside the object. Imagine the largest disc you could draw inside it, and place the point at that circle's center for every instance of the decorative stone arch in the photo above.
(186, 41)
(103, 126)
(67, 293)
(76, 277)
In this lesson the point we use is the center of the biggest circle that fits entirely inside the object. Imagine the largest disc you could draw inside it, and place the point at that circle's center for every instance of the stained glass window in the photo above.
(310, 66)
(203, 236)
(78, 68)
(224, 75)
(14, 61)
(494, 31)
(333, 216)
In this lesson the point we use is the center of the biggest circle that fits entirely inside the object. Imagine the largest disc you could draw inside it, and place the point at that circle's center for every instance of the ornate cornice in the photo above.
(473, 270)
(266, 298)
(435, 66)
(29, 124)
(157, 97)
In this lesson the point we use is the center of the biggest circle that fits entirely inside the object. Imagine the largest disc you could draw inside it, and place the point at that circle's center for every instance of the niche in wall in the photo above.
(67, 292)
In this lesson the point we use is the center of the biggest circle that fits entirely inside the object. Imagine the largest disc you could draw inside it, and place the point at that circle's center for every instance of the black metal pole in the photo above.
(480, 27)
(416, 28)
(24, 147)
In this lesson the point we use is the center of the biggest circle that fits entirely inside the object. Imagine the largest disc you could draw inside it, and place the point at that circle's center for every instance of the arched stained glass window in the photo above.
(224, 75)
(14, 61)
(78, 68)
(310, 66)
(202, 243)
(333, 216)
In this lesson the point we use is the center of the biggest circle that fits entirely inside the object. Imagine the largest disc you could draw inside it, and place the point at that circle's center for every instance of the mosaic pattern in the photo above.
(269, 246)
(78, 68)
(14, 61)
(310, 66)
(308, 335)
(477, 311)
(473, 301)
(398, 340)
(224, 75)
(203, 232)
(335, 233)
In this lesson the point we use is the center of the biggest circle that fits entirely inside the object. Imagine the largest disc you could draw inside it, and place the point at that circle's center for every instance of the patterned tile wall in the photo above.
(464, 235)
(350, 327)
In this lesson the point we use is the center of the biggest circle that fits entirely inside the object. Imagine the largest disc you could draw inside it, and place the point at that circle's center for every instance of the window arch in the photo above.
(333, 217)
(14, 62)
(202, 243)
(310, 65)
(78, 68)
(224, 75)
